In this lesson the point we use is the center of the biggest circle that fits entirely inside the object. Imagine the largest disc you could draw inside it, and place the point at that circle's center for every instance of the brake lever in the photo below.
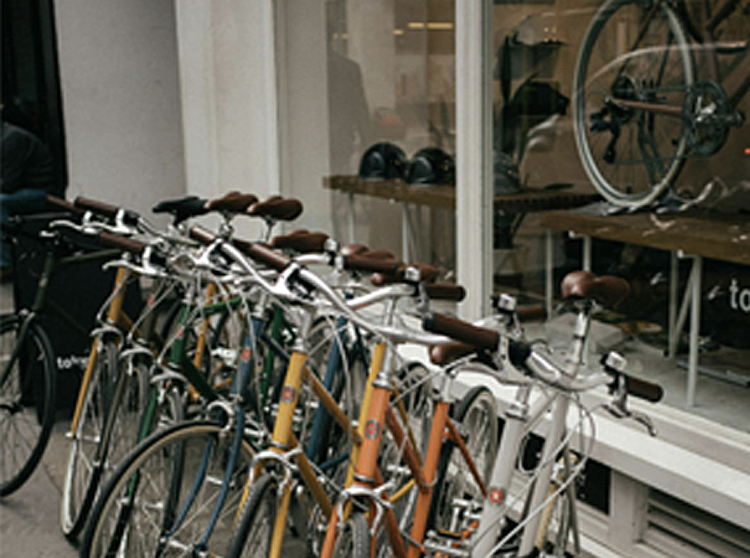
(618, 408)
(614, 364)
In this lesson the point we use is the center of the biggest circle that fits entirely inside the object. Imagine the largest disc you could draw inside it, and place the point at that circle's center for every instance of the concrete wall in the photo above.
(121, 102)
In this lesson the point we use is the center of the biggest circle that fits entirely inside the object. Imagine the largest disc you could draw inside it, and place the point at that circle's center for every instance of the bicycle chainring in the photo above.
(708, 117)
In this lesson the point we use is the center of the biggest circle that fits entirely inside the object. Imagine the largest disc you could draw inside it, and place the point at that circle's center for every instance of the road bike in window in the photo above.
(641, 108)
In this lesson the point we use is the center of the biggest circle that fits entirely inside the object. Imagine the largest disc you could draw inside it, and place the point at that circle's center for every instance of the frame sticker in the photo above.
(287, 394)
(372, 429)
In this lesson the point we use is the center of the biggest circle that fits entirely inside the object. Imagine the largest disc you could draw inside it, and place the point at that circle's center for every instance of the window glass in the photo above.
(652, 114)
(391, 80)
(646, 109)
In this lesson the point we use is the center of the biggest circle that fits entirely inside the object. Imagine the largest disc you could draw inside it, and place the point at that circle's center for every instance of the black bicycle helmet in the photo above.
(431, 165)
(383, 161)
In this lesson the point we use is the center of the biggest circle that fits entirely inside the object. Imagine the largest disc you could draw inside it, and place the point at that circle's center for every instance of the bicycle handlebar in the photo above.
(365, 261)
(112, 240)
(101, 208)
(445, 291)
(479, 337)
(531, 313)
(643, 389)
(128, 216)
(301, 240)
(65, 205)
(521, 355)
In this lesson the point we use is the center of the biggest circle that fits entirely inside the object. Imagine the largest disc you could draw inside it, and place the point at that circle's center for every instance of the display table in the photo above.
(694, 235)
(444, 197)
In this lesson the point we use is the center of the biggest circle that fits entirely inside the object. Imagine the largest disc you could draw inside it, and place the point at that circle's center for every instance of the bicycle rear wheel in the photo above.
(633, 74)
(27, 401)
(162, 497)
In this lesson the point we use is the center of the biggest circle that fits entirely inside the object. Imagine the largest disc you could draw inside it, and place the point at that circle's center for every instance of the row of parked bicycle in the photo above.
(268, 394)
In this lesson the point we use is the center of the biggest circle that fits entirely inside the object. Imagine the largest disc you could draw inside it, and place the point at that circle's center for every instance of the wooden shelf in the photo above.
(444, 196)
(709, 234)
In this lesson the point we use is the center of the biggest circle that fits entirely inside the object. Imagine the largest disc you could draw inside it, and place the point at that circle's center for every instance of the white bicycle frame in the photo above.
(519, 419)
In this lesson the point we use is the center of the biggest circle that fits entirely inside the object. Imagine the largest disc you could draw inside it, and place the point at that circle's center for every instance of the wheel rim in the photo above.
(630, 155)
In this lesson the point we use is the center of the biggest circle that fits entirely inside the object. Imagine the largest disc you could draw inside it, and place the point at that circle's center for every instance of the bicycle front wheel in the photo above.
(106, 430)
(353, 539)
(252, 538)
(162, 499)
(634, 71)
(84, 467)
(476, 416)
(27, 400)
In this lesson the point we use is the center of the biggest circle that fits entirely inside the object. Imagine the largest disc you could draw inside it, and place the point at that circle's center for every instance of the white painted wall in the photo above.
(228, 84)
(121, 103)
(229, 98)
(303, 108)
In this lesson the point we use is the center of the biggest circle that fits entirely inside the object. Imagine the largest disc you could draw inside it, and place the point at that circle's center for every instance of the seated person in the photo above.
(27, 177)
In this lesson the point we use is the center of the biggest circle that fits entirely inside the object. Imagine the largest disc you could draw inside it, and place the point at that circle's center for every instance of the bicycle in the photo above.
(262, 521)
(29, 371)
(115, 387)
(456, 465)
(513, 521)
(111, 508)
(639, 108)
(115, 391)
(114, 515)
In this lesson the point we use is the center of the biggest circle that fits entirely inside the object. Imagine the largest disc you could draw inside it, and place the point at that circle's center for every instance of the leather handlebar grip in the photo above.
(268, 256)
(105, 209)
(301, 241)
(445, 291)
(643, 389)
(65, 205)
(202, 235)
(479, 337)
(112, 240)
(361, 262)
(532, 313)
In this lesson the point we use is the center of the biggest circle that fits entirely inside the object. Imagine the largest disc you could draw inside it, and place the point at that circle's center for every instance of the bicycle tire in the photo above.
(558, 517)
(84, 464)
(252, 536)
(476, 412)
(632, 156)
(142, 510)
(353, 538)
(327, 442)
(27, 402)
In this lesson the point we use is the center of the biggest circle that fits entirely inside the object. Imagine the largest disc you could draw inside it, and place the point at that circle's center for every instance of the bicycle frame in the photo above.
(180, 360)
(520, 418)
(282, 436)
(115, 315)
(41, 303)
(703, 34)
(366, 479)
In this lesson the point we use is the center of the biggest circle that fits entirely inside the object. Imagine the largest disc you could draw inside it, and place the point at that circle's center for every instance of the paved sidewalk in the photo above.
(29, 524)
